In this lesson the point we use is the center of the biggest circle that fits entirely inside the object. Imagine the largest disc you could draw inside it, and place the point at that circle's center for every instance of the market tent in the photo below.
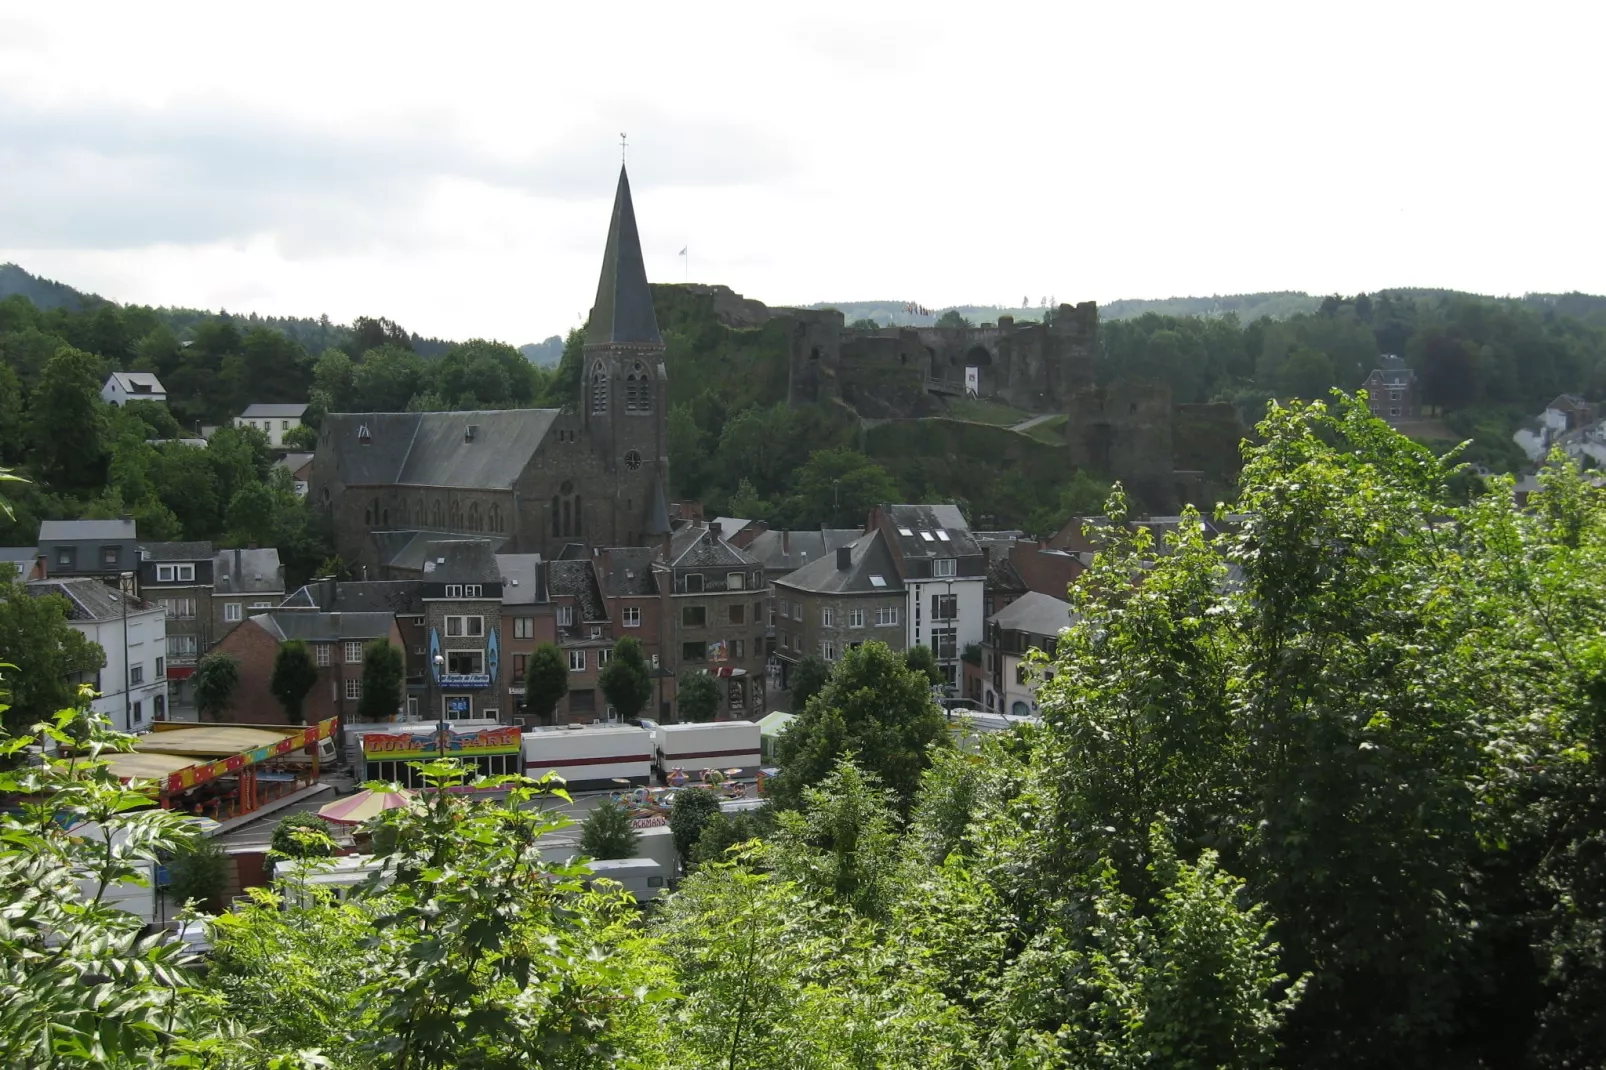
(209, 741)
(770, 727)
(364, 806)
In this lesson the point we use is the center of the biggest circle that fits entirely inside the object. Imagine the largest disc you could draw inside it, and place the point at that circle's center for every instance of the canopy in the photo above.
(211, 741)
(364, 806)
(773, 724)
(137, 766)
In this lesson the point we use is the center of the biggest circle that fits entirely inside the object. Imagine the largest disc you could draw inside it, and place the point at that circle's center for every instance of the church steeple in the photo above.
(623, 312)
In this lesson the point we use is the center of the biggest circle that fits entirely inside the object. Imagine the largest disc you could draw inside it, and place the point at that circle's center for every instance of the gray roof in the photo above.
(21, 555)
(292, 461)
(77, 530)
(623, 314)
(88, 598)
(1002, 574)
(695, 546)
(657, 511)
(868, 556)
(931, 518)
(783, 551)
(404, 597)
(128, 380)
(431, 449)
(1035, 614)
(574, 579)
(291, 411)
(407, 550)
(176, 551)
(325, 627)
(461, 561)
(247, 572)
(523, 579)
(628, 571)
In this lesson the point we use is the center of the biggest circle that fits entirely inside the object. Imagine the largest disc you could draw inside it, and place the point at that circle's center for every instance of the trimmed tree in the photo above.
(546, 681)
(294, 674)
(626, 679)
(923, 659)
(808, 678)
(689, 814)
(382, 680)
(608, 833)
(217, 677)
(697, 698)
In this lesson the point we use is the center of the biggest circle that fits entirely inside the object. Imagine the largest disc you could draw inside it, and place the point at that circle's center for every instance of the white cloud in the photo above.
(452, 170)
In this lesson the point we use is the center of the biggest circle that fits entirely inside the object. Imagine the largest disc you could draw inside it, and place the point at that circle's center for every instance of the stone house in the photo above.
(275, 421)
(837, 602)
(585, 635)
(132, 684)
(537, 479)
(244, 582)
(1391, 390)
(336, 641)
(718, 614)
(101, 548)
(122, 387)
(634, 590)
(26, 562)
(944, 574)
(1032, 622)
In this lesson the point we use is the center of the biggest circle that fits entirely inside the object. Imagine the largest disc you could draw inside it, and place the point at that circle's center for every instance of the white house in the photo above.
(272, 420)
(1032, 622)
(133, 633)
(123, 387)
(944, 572)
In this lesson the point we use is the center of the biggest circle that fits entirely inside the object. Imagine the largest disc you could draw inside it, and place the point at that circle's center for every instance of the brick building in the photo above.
(717, 616)
(533, 480)
(244, 582)
(336, 641)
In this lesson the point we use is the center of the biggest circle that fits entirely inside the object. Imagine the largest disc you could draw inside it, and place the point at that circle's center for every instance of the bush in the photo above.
(693, 809)
(201, 874)
(301, 835)
(608, 833)
(724, 831)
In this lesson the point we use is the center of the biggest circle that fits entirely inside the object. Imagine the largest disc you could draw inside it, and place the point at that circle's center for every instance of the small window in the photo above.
(886, 616)
(735, 581)
(877, 580)
(596, 633)
(827, 617)
(943, 535)
(906, 533)
(110, 555)
(159, 668)
(694, 583)
(855, 618)
(582, 701)
(353, 653)
(66, 557)
(694, 651)
(785, 607)
(136, 675)
(603, 656)
(738, 648)
(693, 616)
(354, 688)
(577, 661)
(454, 590)
(465, 662)
(565, 616)
(632, 616)
(524, 627)
(828, 650)
(944, 606)
(323, 653)
(231, 611)
(926, 535)
(797, 610)
(738, 614)
(139, 712)
(944, 566)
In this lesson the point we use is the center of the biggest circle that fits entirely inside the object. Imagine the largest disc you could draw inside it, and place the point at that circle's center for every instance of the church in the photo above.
(527, 480)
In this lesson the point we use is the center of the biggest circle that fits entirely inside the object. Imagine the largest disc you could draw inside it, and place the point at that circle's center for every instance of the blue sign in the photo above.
(493, 651)
(435, 653)
(459, 706)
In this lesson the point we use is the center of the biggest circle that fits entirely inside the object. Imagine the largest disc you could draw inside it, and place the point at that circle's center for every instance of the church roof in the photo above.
(623, 312)
(437, 449)
(657, 511)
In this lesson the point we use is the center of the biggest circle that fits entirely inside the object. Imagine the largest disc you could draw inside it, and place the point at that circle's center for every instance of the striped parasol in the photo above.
(364, 806)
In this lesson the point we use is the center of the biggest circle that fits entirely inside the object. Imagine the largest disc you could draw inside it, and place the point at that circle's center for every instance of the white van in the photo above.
(641, 877)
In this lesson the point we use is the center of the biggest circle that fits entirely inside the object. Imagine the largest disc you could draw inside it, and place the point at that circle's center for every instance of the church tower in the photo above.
(624, 389)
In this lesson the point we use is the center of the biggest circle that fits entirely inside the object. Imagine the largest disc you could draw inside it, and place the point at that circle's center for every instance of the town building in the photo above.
(537, 479)
(403, 599)
(1391, 390)
(634, 589)
(718, 614)
(274, 420)
(584, 634)
(527, 622)
(299, 465)
(177, 577)
(26, 562)
(462, 600)
(244, 582)
(132, 685)
(1032, 622)
(101, 548)
(335, 640)
(944, 575)
(837, 602)
(122, 387)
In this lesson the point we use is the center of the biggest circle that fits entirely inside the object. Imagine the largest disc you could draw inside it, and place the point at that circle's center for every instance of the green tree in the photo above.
(216, 679)
(294, 675)
(923, 660)
(12, 424)
(952, 320)
(303, 437)
(608, 833)
(67, 420)
(874, 708)
(546, 681)
(383, 678)
(47, 653)
(696, 696)
(199, 874)
(626, 679)
(301, 835)
(808, 678)
(838, 488)
(252, 516)
(689, 815)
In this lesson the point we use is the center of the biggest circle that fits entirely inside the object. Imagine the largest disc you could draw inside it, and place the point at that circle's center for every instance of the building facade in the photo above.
(1031, 622)
(275, 421)
(1391, 390)
(838, 602)
(177, 577)
(244, 582)
(717, 615)
(122, 387)
(944, 574)
(462, 601)
(132, 685)
(336, 642)
(102, 548)
(531, 480)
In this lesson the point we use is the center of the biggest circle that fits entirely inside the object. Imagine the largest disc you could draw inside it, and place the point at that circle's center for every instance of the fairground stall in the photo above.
(491, 750)
(225, 771)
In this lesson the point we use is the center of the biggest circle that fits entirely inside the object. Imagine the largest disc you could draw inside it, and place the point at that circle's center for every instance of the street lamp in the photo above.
(440, 710)
(128, 703)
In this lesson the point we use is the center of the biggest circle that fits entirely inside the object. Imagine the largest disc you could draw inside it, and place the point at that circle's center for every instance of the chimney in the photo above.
(714, 528)
(328, 587)
(844, 558)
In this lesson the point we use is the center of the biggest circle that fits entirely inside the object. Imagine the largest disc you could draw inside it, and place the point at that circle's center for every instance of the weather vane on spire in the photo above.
(622, 144)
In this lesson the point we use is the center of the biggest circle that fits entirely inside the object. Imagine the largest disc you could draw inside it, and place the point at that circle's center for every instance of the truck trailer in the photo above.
(590, 757)
(694, 748)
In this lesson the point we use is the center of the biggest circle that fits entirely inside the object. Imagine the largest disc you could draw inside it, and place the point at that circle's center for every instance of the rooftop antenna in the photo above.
(623, 143)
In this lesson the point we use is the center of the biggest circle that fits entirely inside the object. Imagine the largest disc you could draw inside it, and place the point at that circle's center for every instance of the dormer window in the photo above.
(364, 436)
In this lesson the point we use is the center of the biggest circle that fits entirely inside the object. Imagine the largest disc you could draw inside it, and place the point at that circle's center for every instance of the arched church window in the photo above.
(456, 515)
(568, 518)
(435, 513)
(632, 460)
(579, 524)
(495, 515)
(418, 511)
(474, 523)
(599, 389)
(638, 389)
(556, 531)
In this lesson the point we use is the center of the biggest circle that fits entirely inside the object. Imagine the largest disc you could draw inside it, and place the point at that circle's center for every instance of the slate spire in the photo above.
(623, 312)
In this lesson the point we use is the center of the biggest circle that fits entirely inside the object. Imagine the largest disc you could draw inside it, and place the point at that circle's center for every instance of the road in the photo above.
(1027, 425)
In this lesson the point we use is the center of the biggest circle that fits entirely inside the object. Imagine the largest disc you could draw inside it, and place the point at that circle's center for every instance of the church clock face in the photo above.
(632, 460)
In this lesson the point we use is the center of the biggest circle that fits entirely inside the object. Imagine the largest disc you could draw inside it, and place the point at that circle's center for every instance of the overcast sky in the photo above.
(452, 169)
